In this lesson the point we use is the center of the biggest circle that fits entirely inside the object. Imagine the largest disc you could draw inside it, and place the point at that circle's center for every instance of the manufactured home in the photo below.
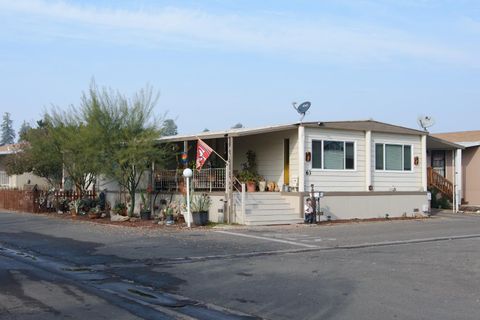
(462, 166)
(21, 181)
(360, 169)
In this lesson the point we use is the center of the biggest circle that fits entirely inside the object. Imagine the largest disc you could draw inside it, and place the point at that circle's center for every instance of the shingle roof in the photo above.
(461, 136)
(9, 148)
(359, 125)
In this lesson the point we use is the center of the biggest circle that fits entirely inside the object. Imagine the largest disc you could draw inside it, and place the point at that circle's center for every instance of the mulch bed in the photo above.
(153, 224)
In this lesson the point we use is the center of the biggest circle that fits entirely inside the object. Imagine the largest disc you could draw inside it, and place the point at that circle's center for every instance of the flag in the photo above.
(203, 152)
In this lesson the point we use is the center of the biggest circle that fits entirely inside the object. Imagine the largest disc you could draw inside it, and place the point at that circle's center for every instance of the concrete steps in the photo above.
(269, 208)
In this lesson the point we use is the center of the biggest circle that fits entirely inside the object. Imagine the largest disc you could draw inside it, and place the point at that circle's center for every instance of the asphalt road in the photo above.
(423, 269)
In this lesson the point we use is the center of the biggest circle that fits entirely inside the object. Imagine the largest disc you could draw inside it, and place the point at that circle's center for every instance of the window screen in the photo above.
(393, 157)
(317, 154)
(334, 155)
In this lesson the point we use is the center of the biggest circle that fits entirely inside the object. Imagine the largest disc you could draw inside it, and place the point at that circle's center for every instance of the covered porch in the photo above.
(275, 150)
(444, 170)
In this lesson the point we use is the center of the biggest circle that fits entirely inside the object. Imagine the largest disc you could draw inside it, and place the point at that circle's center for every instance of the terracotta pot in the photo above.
(73, 212)
(251, 186)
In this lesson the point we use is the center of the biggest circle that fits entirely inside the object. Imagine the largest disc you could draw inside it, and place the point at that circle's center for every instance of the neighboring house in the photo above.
(468, 163)
(17, 181)
(364, 169)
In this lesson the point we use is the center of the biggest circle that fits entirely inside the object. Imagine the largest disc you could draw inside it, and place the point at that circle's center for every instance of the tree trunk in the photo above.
(132, 201)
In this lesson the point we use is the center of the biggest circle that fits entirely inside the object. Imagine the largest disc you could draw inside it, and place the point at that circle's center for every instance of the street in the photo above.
(417, 269)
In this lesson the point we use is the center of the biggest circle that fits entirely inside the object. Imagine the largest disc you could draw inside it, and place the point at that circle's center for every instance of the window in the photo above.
(379, 156)
(333, 155)
(316, 154)
(393, 157)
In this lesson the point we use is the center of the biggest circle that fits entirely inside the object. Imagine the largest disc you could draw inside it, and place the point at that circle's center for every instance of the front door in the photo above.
(286, 162)
(438, 162)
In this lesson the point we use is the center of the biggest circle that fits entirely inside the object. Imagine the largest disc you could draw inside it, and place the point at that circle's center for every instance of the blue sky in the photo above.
(217, 63)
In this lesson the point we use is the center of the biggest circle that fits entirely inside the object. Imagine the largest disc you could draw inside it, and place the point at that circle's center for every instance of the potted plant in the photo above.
(94, 212)
(249, 173)
(145, 212)
(85, 205)
(200, 205)
(250, 179)
(120, 209)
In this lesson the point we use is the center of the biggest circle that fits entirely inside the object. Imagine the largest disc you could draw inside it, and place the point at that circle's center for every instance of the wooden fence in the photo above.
(37, 201)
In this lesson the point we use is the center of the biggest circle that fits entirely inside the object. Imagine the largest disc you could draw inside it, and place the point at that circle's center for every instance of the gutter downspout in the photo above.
(368, 160)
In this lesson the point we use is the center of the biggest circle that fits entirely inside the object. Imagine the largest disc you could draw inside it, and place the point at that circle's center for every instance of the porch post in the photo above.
(152, 186)
(301, 158)
(185, 149)
(229, 180)
(368, 160)
(458, 177)
(424, 162)
(454, 181)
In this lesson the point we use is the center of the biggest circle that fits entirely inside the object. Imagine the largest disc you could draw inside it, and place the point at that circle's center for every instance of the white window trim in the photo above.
(344, 155)
(384, 159)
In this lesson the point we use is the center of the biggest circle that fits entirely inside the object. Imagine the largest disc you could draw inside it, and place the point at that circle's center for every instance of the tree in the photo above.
(127, 131)
(77, 147)
(8, 134)
(169, 127)
(23, 131)
(38, 153)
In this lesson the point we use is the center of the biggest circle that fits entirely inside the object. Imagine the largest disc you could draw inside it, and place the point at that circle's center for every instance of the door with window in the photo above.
(438, 161)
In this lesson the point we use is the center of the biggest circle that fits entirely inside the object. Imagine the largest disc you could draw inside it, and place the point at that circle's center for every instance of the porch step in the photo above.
(269, 208)
(273, 222)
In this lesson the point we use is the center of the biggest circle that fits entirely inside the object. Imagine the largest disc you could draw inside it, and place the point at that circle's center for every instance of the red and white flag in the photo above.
(203, 152)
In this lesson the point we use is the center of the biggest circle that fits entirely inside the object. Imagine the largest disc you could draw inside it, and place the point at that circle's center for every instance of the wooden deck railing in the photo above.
(439, 182)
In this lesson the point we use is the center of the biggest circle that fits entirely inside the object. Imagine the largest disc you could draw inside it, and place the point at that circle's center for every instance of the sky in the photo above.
(216, 63)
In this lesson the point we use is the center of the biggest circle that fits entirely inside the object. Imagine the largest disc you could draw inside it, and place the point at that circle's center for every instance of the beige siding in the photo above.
(269, 154)
(471, 175)
(398, 180)
(337, 180)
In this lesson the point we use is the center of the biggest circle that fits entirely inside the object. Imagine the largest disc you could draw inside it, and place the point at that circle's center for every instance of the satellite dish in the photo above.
(425, 122)
(302, 108)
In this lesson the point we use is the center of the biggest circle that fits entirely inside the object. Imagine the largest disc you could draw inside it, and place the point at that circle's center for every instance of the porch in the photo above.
(444, 170)
(275, 156)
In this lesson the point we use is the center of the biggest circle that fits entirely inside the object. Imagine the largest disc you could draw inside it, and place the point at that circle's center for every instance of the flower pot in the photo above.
(204, 218)
(196, 218)
(73, 212)
(200, 218)
(145, 215)
(251, 186)
(262, 185)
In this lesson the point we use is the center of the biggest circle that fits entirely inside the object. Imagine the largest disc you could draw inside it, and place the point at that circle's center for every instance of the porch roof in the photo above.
(467, 139)
(358, 125)
(230, 132)
(434, 143)
(9, 148)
